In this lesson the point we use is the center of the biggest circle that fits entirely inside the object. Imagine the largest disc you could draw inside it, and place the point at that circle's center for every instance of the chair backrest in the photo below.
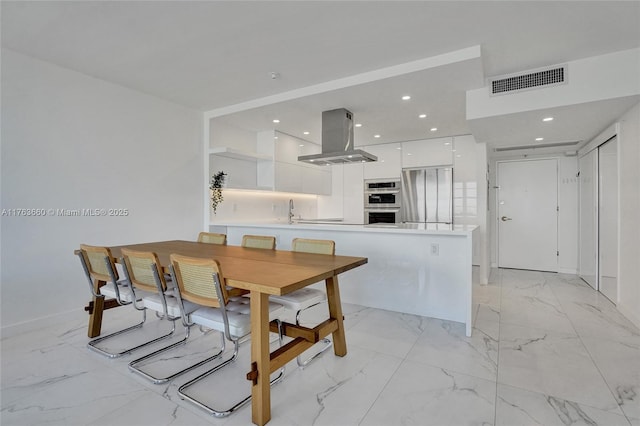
(196, 280)
(259, 241)
(143, 270)
(313, 246)
(212, 238)
(99, 262)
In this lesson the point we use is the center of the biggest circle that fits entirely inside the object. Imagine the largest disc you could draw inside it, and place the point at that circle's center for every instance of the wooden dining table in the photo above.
(262, 273)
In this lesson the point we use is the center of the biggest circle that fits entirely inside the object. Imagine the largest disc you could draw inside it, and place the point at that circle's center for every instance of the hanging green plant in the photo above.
(217, 181)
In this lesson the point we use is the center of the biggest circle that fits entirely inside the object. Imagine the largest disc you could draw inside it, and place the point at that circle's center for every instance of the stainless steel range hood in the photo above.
(337, 141)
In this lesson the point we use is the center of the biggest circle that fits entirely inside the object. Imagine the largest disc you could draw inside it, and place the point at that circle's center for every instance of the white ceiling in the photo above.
(212, 55)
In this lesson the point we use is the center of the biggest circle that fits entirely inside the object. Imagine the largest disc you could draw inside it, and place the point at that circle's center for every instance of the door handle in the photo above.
(504, 218)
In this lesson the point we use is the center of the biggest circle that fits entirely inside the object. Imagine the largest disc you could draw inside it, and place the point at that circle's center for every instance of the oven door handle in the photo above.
(382, 191)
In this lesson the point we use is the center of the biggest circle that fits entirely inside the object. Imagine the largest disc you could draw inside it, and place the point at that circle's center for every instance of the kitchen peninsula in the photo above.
(421, 269)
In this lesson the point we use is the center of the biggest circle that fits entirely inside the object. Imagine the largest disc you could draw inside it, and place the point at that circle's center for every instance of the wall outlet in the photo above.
(435, 249)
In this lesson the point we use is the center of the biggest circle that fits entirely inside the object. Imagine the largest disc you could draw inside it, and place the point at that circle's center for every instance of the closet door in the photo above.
(588, 260)
(608, 219)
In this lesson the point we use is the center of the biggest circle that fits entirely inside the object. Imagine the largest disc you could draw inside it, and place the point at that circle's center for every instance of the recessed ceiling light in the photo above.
(358, 125)
(408, 153)
(539, 139)
(406, 97)
(447, 143)
(433, 129)
(547, 119)
(311, 161)
(301, 144)
(376, 136)
(399, 147)
(349, 156)
(305, 133)
(422, 116)
(458, 155)
(276, 121)
(275, 137)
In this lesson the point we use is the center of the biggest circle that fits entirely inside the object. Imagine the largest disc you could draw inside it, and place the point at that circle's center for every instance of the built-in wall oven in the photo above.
(382, 201)
(382, 215)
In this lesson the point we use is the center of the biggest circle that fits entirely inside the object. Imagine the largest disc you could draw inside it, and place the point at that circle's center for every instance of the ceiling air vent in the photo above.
(529, 80)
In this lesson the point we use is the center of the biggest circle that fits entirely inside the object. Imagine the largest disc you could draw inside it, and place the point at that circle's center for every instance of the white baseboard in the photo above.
(629, 314)
(39, 323)
(568, 271)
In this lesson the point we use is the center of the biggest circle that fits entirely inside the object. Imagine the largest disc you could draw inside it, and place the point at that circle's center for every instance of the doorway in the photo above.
(527, 217)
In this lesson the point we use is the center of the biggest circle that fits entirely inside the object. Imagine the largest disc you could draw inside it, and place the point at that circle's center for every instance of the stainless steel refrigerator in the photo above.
(427, 195)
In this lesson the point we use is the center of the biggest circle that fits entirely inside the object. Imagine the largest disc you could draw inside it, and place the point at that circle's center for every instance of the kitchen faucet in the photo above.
(290, 211)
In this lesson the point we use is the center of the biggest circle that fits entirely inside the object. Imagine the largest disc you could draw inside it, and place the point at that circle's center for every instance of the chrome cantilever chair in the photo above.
(98, 265)
(149, 286)
(212, 238)
(306, 298)
(201, 281)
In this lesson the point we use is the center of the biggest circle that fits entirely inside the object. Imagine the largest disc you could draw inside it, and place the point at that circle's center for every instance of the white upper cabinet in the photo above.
(389, 162)
(427, 153)
(291, 175)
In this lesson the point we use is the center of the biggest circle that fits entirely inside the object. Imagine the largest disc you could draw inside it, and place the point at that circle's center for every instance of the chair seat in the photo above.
(153, 301)
(108, 290)
(238, 314)
(300, 299)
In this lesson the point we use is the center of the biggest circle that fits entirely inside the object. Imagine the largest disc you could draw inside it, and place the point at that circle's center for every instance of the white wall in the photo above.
(263, 206)
(70, 141)
(629, 203)
(568, 216)
(591, 79)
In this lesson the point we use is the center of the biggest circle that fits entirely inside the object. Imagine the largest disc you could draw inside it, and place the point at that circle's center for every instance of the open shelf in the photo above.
(239, 154)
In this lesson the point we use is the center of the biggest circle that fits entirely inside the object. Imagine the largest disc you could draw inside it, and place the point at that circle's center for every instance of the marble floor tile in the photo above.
(535, 311)
(619, 364)
(552, 363)
(151, 409)
(526, 283)
(601, 319)
(546, 349)
(419, 394)
(387, 332)
(515, 407)
(78, 399)
(444, 344)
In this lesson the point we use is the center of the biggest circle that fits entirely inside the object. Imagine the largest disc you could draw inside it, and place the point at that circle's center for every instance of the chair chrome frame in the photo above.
(236, 344)
(136, 364)
(93, 344)
(327, 342)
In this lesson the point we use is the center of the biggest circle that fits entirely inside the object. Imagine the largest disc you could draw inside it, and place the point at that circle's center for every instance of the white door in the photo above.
(588, 259)
(528, 215)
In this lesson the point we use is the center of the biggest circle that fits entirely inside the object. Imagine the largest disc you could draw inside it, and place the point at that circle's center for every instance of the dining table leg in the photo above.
(335, 312)
(260, 358)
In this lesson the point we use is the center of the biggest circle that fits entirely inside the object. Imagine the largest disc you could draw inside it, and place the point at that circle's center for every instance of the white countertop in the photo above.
(405, 228)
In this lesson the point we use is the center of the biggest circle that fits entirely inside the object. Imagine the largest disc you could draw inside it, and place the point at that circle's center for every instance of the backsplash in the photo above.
(263, 206)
